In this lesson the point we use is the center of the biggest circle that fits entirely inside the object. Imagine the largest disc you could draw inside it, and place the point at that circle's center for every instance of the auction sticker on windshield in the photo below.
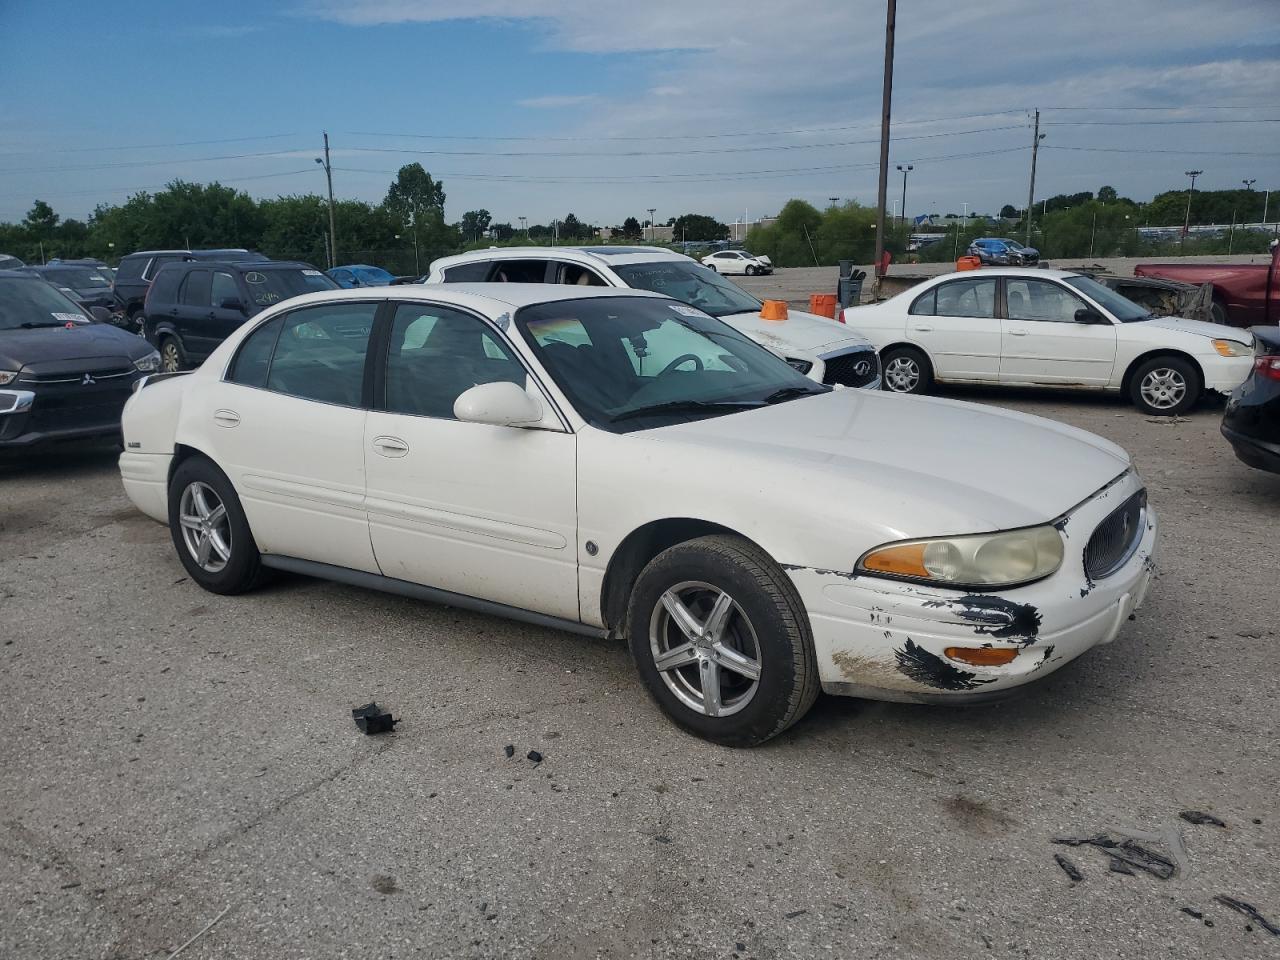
(69, 318)
(686, 310)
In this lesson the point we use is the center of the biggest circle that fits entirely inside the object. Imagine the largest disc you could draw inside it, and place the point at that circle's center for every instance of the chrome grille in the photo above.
(857, 368)
(1116, 538)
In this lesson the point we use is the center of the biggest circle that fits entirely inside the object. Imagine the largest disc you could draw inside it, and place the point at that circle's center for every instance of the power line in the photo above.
(152, 163)
(1150, 123)
(1198, 153)
(132, 190)
(145, 146)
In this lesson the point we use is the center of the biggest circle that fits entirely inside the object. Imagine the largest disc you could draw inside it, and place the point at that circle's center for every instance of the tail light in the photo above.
(1268, 367)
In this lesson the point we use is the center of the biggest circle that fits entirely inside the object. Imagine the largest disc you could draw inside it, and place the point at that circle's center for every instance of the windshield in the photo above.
(689, 283)
(1012, 244)
(271, 286)
(25, 304)
(372, 274)
(79, 278)
(631, 363)
(1122, 308)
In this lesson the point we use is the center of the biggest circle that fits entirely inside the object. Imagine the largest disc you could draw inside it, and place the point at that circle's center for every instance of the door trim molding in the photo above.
(417, 591)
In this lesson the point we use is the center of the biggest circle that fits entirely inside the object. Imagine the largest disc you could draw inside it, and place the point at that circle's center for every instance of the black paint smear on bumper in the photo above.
(931, 670)
(995, 616)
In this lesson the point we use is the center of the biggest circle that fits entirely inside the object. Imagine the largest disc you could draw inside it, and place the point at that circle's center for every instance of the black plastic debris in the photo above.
(1127, 850)
(1199, 818)
(1192, 913)
(370, 719)
(1069, 868)
(1119, 866)
(509, 750)
(534, 755)
(1250, 911)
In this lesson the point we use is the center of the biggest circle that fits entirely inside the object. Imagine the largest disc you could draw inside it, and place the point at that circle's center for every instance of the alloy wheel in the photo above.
(902, 374)
(705, 649)
(206, 528)
(170, 358)
(1163, 388)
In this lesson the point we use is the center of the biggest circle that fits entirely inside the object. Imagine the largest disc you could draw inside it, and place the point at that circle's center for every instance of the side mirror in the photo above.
(100, 314)
(500, 404)
(1087, 315)
(231, 303)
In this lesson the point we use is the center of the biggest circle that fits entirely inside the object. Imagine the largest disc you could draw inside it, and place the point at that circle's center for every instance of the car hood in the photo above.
(1214, 331)
(800, 331)
(916, 466)
(84, 341)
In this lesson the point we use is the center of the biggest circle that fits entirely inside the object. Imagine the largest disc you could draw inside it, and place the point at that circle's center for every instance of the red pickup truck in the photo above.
(1244, 294)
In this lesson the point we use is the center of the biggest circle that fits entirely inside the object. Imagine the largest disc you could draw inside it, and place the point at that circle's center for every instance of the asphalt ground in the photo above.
(170, 755)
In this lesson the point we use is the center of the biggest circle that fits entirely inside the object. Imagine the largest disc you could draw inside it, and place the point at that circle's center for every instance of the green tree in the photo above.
(631, 228)
(698, 226)
(1107, 195)
(413, 194)
(1009, 212)
(474, 223)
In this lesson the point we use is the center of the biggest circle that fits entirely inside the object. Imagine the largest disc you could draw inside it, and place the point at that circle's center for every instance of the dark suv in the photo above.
(87, 285)
(137, 270)
(193, 305)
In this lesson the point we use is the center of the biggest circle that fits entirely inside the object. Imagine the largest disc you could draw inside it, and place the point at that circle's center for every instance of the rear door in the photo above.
(956, 323)
(192, 319)
(1042, 342)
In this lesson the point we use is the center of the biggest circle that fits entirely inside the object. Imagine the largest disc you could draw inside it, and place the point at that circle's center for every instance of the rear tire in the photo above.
(1218, 313)
(209, 529)
(906, 370)
(718, 610)
(1165, 386)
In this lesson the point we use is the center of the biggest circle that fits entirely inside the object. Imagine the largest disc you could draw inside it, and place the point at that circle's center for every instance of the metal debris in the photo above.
(1069, 868)
(370, 719)
(1250, 911)
(1199, 817)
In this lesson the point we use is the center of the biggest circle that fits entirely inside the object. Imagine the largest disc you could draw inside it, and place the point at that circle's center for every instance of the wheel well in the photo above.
(182, 452)
(633, 555)
(903, 344)
(1138, 361)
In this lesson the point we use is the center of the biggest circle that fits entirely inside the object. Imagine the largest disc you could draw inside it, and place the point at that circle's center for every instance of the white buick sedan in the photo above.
(620, 464)
(1026, 327)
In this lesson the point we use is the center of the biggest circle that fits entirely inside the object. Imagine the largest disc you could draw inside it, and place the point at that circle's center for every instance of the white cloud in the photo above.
(556, 101)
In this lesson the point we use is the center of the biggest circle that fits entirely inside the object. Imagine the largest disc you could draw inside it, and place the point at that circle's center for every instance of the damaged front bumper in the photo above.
(886, 640)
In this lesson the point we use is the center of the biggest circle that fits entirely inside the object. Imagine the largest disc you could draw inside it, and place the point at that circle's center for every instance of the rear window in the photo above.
(131, 268)
(267, 287)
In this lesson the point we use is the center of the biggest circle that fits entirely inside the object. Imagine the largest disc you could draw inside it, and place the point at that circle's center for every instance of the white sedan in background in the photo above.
(737, 261)
(754, 536)
(1027, 327)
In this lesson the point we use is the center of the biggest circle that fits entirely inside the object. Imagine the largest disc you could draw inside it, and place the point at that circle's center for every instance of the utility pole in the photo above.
(333, 232)
(1036, 137)
(904, 171)
(1186, 223)
(651, 233)
(882, 190)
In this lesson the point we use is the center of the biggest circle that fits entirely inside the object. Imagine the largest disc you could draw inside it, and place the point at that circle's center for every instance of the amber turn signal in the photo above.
(982, 656)
(903, 561)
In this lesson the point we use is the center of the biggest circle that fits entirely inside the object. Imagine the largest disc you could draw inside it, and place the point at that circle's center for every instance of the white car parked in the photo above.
(737, 261)
(819, 347)
(1027, 327)
(753, 535)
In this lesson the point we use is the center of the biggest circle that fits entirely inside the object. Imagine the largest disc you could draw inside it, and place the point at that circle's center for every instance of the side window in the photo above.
(154, 266)
(320, 353)
(250, 365)
(131, 268)
(477, 271)
(967, 298)
(519, 271)
(164, 289)
(1040, 300)
(195, 289)
(224, 288)
(575, 275)
(436, 354)
(925, 305)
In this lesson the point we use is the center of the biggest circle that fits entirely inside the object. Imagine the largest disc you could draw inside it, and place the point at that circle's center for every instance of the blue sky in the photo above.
(609, 108)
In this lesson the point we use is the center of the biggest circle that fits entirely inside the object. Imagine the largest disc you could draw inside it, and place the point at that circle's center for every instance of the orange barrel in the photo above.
(968, 263)
(773, 310)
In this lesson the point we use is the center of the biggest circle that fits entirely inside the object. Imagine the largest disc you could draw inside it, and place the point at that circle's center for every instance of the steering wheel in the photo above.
(682, 359)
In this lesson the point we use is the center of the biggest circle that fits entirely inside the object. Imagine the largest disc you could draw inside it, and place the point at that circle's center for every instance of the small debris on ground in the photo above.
(794, 913)
(1119, 866)
(1250, 911)
(1069, 868)
(384, 885)
(509, 750)
(534, 755)
(1199, 817)
(371, 719)
(1168, 421)
(1125, 846)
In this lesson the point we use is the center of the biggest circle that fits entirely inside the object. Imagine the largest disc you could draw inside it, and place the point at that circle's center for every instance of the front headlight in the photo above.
(1232, 348)
(148, 364)
(8, 376)
(983, 561)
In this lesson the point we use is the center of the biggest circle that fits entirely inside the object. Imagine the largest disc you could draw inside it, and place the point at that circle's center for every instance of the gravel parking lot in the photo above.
(171, 753)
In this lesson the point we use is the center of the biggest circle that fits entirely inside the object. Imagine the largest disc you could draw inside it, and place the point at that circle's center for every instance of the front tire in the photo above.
(172, 357)
(210, 530)
(906, 370)
(1165, 387)
(750, 271)
(722, 642)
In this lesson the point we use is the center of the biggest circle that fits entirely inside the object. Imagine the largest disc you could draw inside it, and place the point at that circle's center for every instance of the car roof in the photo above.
(598, 256)
(257, 265)
(1042, 273)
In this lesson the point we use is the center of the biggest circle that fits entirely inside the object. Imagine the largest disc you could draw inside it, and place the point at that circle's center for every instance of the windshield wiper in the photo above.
(33, 326)
(686, 406)
(790, 393)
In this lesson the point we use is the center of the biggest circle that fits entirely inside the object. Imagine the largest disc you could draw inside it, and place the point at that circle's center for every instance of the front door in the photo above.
(1043, 343)
(480, 510)
(288, 429)
(956, 324)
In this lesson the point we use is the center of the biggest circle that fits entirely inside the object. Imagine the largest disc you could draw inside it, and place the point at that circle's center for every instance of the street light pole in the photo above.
(1186, 223)
(333, 232)
(904, 171)
(651, 233)
(833, 200)
(882, 189)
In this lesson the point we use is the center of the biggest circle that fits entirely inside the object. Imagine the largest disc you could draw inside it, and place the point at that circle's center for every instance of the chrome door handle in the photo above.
(1017, 333)
(226, 418)
(390, 446)
(924, 329)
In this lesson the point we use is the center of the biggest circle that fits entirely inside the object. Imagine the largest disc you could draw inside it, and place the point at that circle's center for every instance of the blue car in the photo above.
(1005, 252)
(360, 275)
